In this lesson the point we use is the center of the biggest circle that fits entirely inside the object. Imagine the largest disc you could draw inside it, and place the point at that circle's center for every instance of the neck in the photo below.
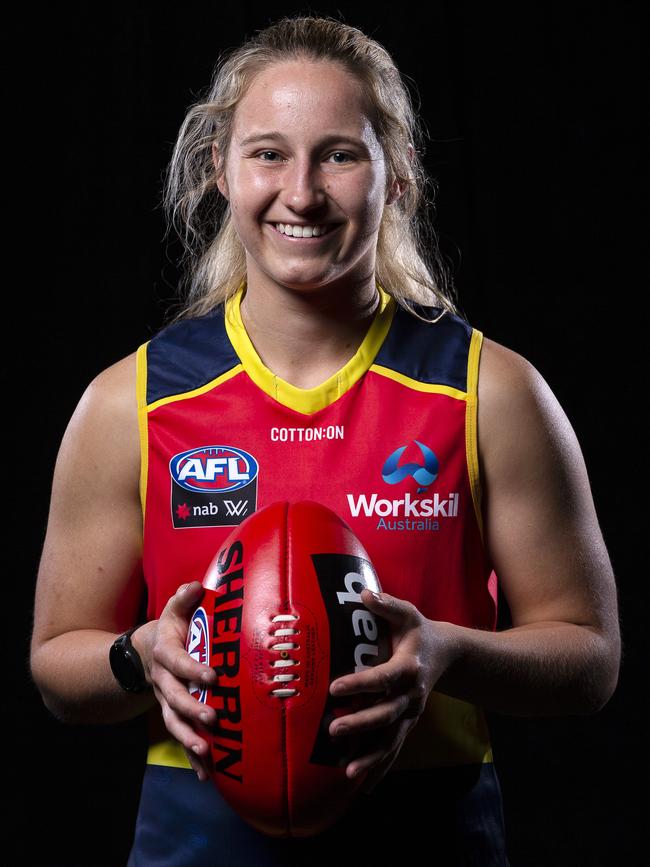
(305, 337)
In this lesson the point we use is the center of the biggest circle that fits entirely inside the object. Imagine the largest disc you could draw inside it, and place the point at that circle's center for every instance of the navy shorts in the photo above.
(442, 816)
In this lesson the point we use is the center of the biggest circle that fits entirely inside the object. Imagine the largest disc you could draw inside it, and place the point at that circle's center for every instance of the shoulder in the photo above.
(504, 374)
(509, 383)
(113, 391)
(523, 431)
(105, 420)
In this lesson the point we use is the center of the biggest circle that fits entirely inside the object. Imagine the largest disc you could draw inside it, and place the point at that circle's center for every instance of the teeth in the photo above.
(301, 231)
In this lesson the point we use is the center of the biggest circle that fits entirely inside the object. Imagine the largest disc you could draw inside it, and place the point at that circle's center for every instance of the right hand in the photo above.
(169, 668)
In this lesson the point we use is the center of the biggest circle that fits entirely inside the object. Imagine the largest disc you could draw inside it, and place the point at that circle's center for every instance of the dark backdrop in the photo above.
(534, 119)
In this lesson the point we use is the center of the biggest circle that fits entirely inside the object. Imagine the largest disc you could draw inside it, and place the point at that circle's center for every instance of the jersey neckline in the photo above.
(308, 400)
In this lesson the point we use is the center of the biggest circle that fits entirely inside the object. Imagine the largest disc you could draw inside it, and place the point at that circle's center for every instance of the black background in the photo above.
(535, 123)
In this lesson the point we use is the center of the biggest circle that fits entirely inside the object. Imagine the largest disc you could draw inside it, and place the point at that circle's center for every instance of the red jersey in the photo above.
(389, 442)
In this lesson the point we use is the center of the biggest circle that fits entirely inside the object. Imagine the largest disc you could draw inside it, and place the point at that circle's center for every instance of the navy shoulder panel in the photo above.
(435, 353)
(187, 354)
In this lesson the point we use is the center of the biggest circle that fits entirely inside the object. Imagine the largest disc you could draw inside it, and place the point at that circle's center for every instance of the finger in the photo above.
(377, 716)
(184, 600)
(398, 611)
(184, 733)
(169, 652)
(387, 678)
(358, 766)
(178, 698)
(378, 772)
(199, 765)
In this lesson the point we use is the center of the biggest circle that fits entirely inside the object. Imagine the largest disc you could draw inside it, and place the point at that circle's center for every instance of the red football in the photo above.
(280, 619)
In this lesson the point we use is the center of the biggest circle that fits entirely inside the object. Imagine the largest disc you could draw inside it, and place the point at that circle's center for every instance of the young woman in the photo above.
(320, 339)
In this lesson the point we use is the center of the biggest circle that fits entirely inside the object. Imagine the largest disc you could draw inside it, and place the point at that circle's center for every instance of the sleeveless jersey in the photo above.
(389, 442)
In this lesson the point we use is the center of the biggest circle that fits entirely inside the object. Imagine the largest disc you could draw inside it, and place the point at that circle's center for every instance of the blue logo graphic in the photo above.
(423, 475)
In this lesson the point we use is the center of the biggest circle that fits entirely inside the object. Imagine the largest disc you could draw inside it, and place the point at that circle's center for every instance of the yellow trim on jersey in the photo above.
(169, 753)
(238, 368)
(471, 424)
(141, 396)
(449, 732)
(308, 400)
(416, 385)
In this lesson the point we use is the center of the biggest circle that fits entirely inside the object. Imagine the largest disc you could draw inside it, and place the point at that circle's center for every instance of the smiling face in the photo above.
(315, 161)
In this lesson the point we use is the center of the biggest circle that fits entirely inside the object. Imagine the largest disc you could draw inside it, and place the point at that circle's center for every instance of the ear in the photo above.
(398, 187)
(222, 183)
(396, 191)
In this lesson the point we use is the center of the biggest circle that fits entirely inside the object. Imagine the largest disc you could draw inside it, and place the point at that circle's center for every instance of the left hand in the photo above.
(423, 649)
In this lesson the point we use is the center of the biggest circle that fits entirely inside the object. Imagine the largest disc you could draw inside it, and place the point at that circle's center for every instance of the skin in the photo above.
(306, 314)
(300, 303)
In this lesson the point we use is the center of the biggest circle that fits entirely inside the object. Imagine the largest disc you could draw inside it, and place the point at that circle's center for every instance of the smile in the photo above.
(314, 239)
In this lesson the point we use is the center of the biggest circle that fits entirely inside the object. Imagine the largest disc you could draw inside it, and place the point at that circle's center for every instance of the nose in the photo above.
(303, 185)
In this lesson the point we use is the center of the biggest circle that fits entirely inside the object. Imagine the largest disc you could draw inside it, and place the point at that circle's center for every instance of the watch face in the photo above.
(125, 668)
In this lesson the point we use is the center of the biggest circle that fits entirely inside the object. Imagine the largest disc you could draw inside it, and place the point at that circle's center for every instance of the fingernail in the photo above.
(377, 596)
(196, 749)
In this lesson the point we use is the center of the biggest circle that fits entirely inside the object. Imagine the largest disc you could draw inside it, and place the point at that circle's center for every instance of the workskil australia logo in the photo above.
(212, 486)
(408, 512)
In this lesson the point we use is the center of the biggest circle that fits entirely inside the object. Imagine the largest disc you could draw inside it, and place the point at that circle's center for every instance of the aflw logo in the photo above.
(238, 508)
(408, 508)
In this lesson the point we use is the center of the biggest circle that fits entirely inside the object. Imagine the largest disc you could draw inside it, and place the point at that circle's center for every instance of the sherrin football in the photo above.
(281, 617)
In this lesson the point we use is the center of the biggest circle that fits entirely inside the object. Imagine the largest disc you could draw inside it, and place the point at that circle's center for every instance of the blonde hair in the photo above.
(408, 263)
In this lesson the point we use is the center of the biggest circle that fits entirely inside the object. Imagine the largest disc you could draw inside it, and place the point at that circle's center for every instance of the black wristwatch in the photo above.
(126, 663)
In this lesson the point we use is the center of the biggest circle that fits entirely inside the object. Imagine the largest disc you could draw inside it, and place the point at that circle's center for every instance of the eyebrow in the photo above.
(328, 139)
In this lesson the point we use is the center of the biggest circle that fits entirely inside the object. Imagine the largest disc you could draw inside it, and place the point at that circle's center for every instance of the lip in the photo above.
(289, 239)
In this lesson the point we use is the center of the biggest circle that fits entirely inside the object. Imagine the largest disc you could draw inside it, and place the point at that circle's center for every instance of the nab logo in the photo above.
(424, 475)
(213, 469)
(198, 648)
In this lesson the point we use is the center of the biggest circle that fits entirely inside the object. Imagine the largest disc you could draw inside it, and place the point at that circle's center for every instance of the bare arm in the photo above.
(562, 654)
(90, 586)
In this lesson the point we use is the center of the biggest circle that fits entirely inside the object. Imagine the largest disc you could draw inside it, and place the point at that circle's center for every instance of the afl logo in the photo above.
(212, 469)
(197, 647)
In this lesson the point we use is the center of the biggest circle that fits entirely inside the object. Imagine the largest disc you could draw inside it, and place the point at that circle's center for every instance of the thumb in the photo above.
(183, 602)
(187, 595)
(383, 603)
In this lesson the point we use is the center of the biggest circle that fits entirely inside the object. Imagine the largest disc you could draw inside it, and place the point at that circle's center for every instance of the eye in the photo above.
(342, 154)
(267, 152)
(347, 157)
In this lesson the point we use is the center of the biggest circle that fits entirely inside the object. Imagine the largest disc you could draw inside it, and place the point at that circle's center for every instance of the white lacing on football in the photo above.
(282, 647)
